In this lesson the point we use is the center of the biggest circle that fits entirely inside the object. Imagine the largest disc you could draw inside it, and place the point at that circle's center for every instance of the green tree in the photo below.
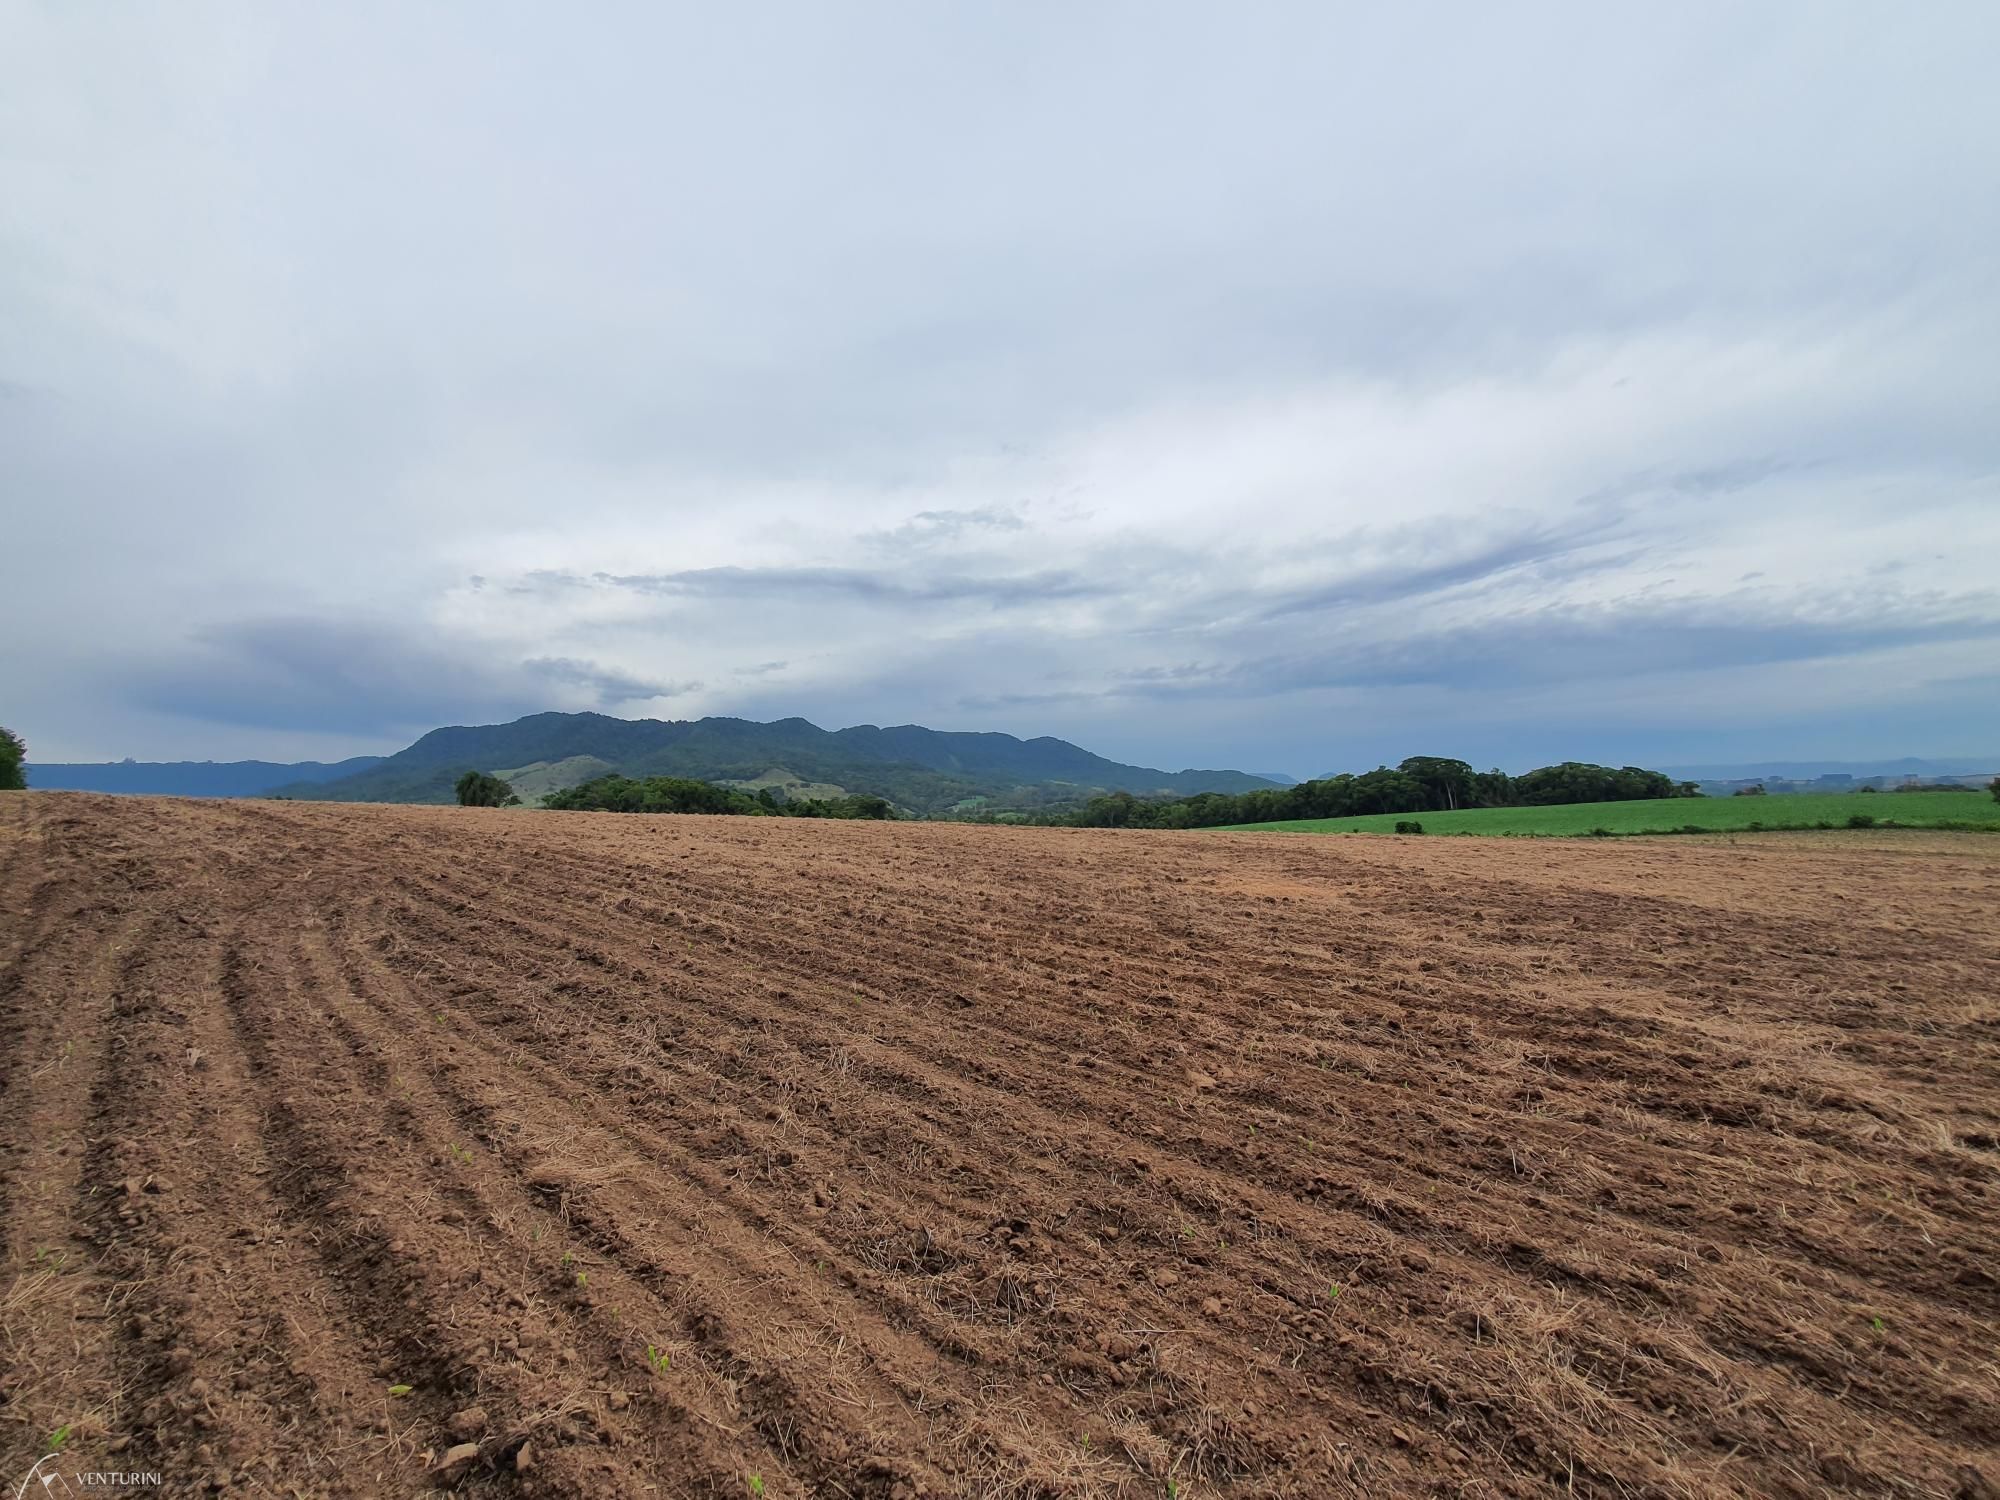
(1993, 786)
(14, 756)
(1446, 783)
(479, 789)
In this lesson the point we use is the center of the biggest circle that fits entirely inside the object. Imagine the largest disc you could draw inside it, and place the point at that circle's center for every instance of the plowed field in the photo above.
(683, 1156)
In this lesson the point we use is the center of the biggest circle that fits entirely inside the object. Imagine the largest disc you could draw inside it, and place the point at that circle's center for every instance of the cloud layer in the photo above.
(1290, 388)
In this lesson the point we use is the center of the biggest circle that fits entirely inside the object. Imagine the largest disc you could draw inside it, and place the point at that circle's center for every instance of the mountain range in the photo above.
(190, 778)
(921, 770)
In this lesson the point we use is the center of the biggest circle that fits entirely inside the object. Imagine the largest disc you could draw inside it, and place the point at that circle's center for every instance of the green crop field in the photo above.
(1678, 815)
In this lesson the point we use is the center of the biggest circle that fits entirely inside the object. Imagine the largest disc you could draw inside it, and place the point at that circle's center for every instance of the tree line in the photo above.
(1422, 783)
(682, 794)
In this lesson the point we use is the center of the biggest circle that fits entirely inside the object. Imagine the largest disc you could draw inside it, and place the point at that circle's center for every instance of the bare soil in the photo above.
(625, 1156)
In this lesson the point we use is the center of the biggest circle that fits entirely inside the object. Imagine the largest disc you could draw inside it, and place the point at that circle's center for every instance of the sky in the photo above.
(1288, 387)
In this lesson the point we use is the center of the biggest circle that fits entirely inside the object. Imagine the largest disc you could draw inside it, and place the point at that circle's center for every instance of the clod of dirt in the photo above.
(1088, 1366)
(1167, 1278)
(618, 1401)
(524, 1458)
(457, 1458)
(468, 1423)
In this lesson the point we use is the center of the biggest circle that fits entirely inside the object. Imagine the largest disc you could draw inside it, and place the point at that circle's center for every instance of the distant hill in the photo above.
(190, 778)
(532, 783)
(922, 770)
(1807, 770)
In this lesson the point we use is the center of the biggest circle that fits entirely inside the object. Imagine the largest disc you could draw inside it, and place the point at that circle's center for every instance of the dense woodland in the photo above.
(680, 794)
(1423, 783)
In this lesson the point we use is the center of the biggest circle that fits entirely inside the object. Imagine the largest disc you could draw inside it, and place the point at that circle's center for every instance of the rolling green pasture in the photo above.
(1678, 815)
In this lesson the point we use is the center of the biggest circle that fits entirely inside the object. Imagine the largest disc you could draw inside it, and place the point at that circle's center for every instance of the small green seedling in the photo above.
(659, 1359)
(756, 1484)
(399, 1390)
(567, 1258)
(57, 1438)
(459, 1153)
(1878, 1325)
(583, 1278)
(1333, 1291)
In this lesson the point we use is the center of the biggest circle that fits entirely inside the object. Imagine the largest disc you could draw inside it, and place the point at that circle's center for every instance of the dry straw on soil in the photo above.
(354, 1151)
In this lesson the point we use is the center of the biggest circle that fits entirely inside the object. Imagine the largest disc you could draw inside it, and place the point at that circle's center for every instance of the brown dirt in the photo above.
(938, 1160)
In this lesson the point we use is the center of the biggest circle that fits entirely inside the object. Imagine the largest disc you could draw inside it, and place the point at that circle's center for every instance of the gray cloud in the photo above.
(610, 687)
(933, 528)
(1577, 647)
(364, 677)
(1273, 390)
(869, 586)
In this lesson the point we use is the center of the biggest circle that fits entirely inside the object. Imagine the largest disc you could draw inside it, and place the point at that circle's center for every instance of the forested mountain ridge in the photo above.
(922, 770)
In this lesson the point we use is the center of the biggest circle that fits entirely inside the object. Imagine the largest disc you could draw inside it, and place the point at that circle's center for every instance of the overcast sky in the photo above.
(1287, 387)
